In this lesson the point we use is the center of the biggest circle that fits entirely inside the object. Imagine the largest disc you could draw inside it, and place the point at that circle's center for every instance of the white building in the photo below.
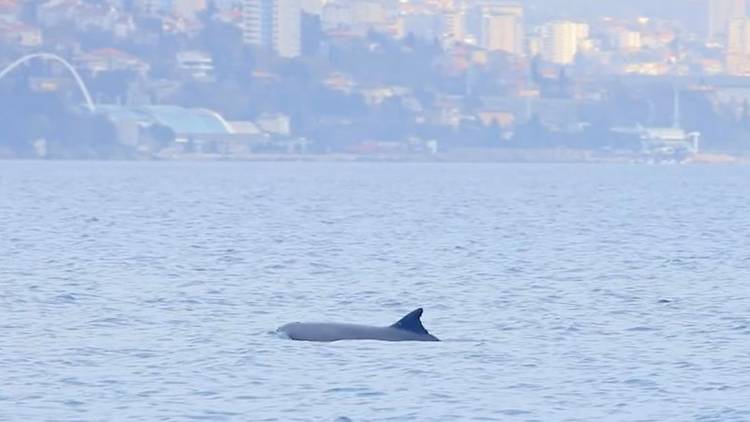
(628, 41)
(478, 10)
(275, 123)
(560, 40)
(665, 143)
(20, 34)
(355, 16)
(454, 27)
(501, 32)
(314, 7)
(720, 13)
(501, 8)
(197, 64)
(273, 24)
(738, 47)
(188, 9)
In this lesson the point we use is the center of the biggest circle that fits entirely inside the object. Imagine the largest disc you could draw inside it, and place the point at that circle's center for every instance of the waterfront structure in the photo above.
(168, 131)
(664, 144)
(720, 14)
(274, 25)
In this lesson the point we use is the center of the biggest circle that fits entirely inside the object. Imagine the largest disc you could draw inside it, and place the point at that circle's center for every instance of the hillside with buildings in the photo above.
(388, 79)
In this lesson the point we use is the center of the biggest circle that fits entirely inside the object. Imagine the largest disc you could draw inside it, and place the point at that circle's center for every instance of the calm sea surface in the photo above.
(150, 291)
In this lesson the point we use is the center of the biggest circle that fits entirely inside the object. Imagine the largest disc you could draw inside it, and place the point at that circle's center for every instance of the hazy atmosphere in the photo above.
(366, 210)
(564, 81)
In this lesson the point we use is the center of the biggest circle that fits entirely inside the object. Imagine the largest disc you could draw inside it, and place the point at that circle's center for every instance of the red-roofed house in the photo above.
(20, 34)
(9, 10)
(83, 15)
(109, 59)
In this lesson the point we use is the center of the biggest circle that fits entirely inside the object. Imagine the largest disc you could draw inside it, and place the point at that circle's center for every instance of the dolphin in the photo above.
(408, 328)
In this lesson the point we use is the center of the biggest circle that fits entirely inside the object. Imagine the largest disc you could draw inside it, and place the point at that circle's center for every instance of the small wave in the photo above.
(65, 298)
(642, 328)
(280, 334)
(462, 340)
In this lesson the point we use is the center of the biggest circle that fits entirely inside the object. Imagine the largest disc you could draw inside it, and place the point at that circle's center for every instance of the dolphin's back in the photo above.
(408, 328)
(322, 331)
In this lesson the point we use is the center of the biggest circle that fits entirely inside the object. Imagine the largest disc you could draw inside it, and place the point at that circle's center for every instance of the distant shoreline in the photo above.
(477, 155)
(468, 155)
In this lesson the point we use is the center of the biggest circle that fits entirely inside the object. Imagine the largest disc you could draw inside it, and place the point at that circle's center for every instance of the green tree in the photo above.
(230, 57)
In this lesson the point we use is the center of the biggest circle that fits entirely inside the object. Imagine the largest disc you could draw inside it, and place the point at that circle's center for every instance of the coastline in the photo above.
(477, 155)
(465, 155)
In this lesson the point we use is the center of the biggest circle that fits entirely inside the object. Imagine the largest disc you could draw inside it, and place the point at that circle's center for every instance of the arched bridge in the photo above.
(54, 57)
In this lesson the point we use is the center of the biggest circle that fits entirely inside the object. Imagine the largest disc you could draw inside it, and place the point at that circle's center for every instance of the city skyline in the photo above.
(382, 76)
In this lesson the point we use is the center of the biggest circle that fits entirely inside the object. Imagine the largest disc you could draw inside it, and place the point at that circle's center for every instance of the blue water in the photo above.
(150, 291)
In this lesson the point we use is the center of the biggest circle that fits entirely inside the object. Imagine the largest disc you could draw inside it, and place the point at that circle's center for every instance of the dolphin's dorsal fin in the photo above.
(411, 322)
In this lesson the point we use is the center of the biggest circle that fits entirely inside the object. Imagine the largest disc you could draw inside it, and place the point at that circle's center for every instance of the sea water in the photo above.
(151, 291)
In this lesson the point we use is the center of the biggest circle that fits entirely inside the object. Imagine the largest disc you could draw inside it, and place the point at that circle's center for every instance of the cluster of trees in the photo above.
(29, 117)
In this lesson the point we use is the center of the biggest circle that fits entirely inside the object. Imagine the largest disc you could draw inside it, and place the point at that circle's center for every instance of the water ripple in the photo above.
(151, 291)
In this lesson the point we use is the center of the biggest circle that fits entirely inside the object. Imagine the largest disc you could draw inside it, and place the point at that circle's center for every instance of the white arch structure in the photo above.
(220, 118)
(49, 56)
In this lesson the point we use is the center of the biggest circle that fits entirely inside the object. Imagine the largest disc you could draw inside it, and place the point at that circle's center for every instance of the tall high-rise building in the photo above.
(738, 47)
(501, 7)
(273, 24)
(454, 26)
(720, 13)
(188, 9)
(560, 40)
(477, 10)
(313, 6)
(502, 32)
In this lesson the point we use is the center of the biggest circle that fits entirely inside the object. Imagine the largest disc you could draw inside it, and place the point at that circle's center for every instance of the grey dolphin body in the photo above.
(408, 328)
